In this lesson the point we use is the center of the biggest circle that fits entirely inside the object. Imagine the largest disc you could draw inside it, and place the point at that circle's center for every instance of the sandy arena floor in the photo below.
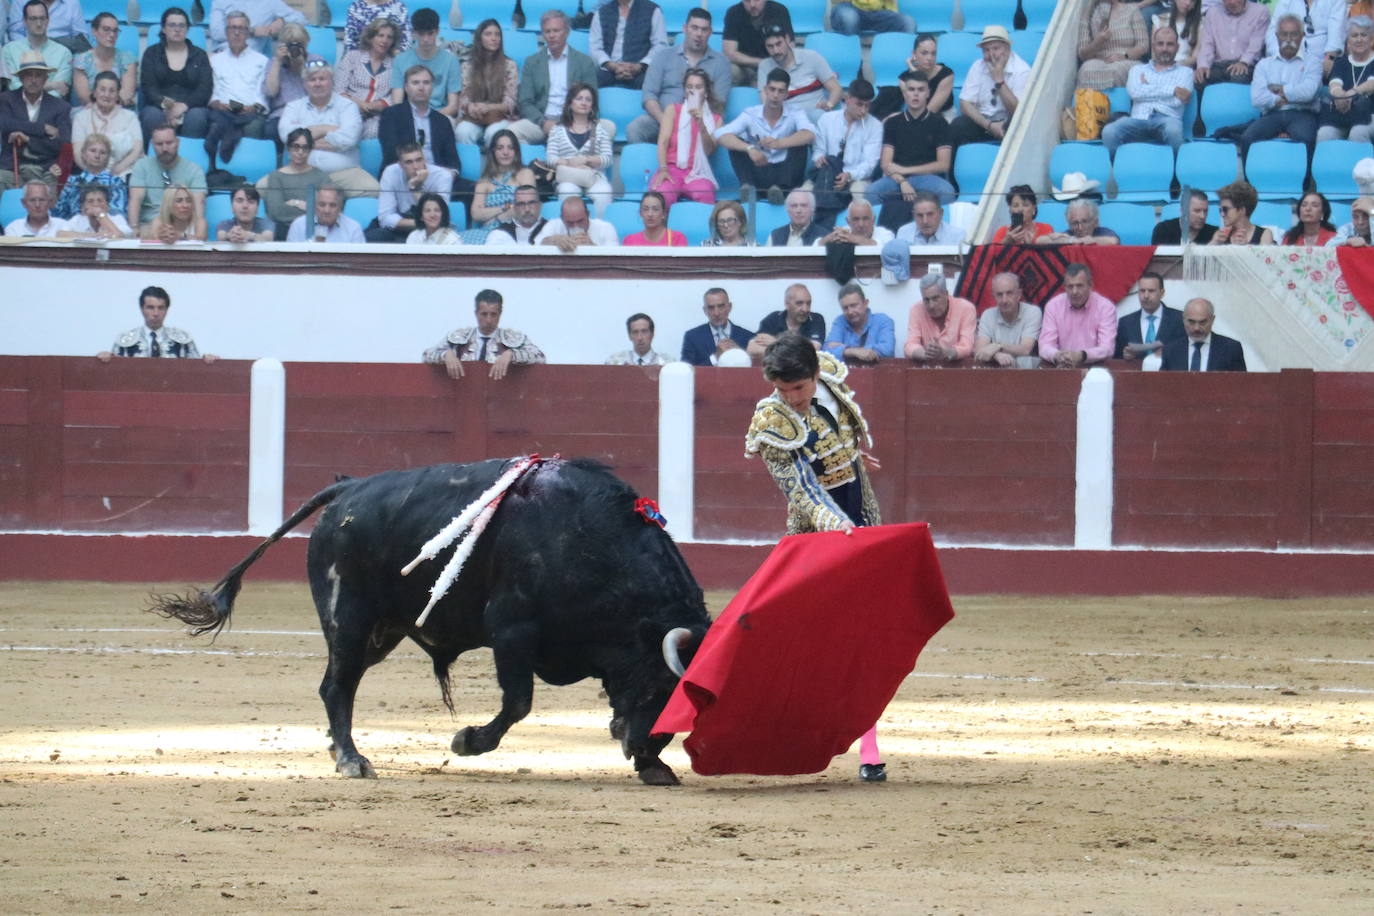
(1158, 755)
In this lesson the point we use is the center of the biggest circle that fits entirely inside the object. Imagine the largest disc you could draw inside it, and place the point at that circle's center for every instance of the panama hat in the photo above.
(33, 60)
(994, 33)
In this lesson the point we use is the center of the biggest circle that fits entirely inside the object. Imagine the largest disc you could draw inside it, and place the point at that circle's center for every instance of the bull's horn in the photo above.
(676, 638)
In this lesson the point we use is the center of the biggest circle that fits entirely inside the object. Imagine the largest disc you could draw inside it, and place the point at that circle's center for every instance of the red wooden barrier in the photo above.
(1343, 461)
(132, 445)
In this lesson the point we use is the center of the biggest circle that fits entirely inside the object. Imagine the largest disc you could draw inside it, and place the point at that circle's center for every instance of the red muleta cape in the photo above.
(809, 653)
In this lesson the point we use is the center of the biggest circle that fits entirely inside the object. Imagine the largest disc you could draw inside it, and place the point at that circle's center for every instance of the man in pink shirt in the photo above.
(1232, 42)
(1079, 325)
(940, 329)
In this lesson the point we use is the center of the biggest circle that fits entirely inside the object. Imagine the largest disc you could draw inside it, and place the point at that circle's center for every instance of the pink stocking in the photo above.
(868, 747)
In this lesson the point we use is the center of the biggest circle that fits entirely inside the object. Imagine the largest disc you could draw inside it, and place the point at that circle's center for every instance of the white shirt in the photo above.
(1328, 25)
(82, 223)
(978, 86)
(1152, 90)
(881, 236)
(339, 112)
(1206, 353)
(751, 125)
(862, 139)
(345, 230)
(504, 238)
(238, 78)
(21, 228)
(396, 196)
(558, 86)
(602, 233)
(1300, 77)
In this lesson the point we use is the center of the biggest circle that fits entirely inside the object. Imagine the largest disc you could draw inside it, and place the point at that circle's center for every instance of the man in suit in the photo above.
(34, 141)
(704, 344)
(1201, 350)
(801, 228)
(545, 78)
(1150, 327)
(414, 121)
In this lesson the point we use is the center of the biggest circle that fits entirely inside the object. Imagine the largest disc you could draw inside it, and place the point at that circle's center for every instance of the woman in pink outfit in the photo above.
(653, 213)
(685, 141)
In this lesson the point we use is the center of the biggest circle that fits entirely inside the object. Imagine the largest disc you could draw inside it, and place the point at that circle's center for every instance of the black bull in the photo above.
(567, 582)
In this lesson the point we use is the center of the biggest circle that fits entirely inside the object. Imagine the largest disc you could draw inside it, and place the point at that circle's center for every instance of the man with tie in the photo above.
(1202, 350)
(154, 338)
(1150, 327)
(704, 344)
(486, 343)
(641, 329)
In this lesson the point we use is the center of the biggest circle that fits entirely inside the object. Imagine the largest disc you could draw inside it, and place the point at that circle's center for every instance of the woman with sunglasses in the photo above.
(1238, 201)
(291, 186)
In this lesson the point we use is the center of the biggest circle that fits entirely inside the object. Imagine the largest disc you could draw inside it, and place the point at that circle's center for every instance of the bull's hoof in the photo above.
(463, 742)
(658, 773)
(356, 768)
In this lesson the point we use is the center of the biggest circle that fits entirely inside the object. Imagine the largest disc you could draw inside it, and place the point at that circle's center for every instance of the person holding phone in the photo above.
(686, 139)
(1023, 228)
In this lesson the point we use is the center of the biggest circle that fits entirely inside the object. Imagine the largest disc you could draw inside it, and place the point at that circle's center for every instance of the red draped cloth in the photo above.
(1357, 269)
(1115, 269)
(809, 653)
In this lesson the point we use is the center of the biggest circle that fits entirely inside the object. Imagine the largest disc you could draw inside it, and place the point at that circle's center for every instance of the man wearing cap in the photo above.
(33, 125)
(742, 37)
(36, 42)
(992, 90)
(814, 88)
(1159, 91)
(848, 144)
(1356, 232)
(1285, 89)
(336, 125)
(1202, 350)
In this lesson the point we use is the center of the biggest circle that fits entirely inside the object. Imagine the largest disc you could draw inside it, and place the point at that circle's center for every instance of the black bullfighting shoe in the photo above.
(873, 772)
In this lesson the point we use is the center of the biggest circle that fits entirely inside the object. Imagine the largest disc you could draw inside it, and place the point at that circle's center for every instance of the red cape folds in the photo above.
(809, 653)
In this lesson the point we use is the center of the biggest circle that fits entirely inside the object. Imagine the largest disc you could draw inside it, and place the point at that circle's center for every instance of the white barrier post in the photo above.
(1092, 528)
(266, 446)
(676, 457)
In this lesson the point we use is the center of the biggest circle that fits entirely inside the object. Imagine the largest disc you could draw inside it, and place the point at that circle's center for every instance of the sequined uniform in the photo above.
(166, 342)
(469, 344)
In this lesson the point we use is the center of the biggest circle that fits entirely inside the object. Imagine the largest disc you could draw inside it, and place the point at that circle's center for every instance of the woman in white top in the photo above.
(580, 149)
(685, 142)
(434, 226)
(118, 124)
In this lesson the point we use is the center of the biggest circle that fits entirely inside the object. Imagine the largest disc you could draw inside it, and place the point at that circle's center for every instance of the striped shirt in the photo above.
(1152, 90)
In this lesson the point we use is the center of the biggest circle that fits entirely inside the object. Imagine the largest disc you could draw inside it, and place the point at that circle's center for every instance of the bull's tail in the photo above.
(204, 611)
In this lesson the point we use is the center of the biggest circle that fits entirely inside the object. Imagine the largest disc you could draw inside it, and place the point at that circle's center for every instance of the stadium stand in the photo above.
(767, 217)
(150, 12)
(469, 161)
(930, 15)
(1225, 104)
(621, 106)
(624, 216)
(1333, 161)
(1143, 172)
(323, 42)
(740, 98)
(1276, 168)
(1133, 223)
(808, 16)
(971, 168)
(958, 51)
(638, 162)
(10, 207)
(370, 155)
(887, 57)
(362, 209)
(1206, 165)
(688, 217)
(981, 13)
(842, 52)
(252, 159)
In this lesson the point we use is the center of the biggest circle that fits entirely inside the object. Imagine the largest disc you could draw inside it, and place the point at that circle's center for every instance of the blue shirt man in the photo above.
(862, 336)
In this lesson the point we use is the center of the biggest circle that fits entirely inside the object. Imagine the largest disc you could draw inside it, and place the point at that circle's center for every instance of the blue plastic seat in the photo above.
(624, 216)
(551, 209)
(1087, 157)
(474, 11)
(517, 45)
(675, 13)
(196, 35)
(808, 17)
(981, 13)
(252, 159)
(930, 15)
(767, 217)
(1133, 223)
(1276, 168)
(1143, 172)
(191, 149)
(323, 42)
(11, 206)
(1206, 165)
(150, 11)
(1052, 213)
(469, 161)
(1038, 13)
(692, 219)
(370, 156)
(1333, 161)
(338, 14)
(1027, 44)
(458, 216)
(727, 182)
(972, 164)
(638, 162)
(129, 39)
(1279, 215)
(621, 106)
(740, 98)
(580, 41)
(842, 52)
(362, 209)
(535, 9)
(531, 151)
(958, 51)
(887, 57)
(1225, 104)
(1119, 100)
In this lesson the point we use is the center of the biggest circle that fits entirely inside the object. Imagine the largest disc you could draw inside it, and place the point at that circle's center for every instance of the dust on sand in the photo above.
(1153, 755)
